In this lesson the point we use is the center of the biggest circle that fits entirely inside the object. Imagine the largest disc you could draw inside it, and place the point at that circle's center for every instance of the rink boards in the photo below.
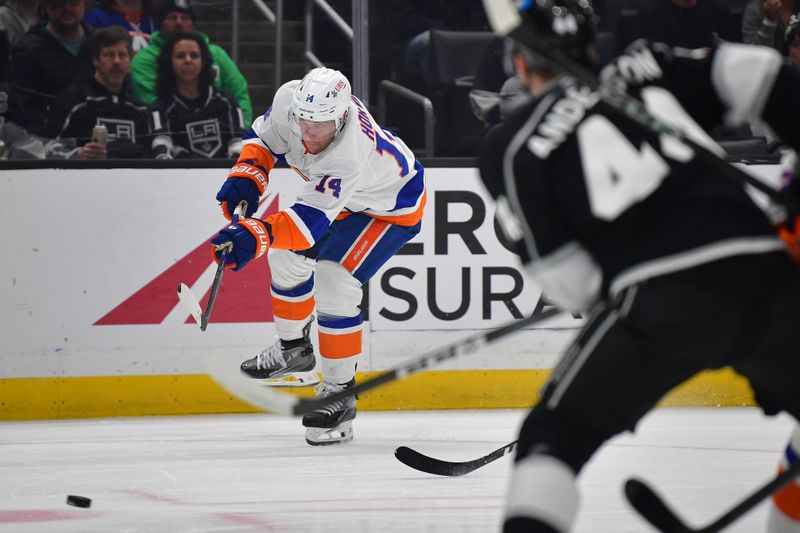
(91, 324)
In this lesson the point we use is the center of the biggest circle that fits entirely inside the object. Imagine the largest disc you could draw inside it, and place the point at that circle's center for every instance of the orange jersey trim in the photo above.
(260, 155)
(285, 233)
(339, 346)
(305, 178)
(409, 219)
(791, 238)
(292, 310)
(787, 500)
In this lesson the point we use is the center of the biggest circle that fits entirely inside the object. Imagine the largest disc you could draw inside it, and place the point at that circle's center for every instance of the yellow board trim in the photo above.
(90, 397)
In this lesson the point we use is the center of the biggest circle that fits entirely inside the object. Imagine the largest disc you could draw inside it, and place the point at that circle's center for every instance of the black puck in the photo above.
(78, 501)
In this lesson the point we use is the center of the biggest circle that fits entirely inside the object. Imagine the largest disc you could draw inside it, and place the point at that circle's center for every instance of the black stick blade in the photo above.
(431, 465)
(423, 463)
(648, 504)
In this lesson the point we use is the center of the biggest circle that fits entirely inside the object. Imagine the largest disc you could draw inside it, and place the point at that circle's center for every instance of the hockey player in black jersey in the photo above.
(673, 263)
(203, 121)
(134, 131)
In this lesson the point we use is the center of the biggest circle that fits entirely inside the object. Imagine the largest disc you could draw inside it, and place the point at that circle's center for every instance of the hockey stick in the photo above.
(190, 301)
(653, 508)
(431, 465)
(254, 393)
(506, 21)
(185, 294)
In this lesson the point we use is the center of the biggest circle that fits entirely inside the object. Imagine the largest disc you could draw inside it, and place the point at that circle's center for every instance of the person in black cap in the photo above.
(174, 16)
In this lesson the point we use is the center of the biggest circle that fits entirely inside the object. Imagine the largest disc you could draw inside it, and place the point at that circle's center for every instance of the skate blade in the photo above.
(341, 434)
(297, 379)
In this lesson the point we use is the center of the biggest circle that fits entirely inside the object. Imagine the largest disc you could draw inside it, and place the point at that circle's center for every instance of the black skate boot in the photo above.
(332, 424)
(285, 363)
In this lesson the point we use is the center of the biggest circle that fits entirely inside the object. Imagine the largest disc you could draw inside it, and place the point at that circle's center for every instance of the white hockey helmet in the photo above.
(323, 95)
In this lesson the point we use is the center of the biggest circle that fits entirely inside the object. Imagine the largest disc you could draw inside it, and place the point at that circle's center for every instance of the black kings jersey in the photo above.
(204, 128)
(86, 103)
(587, 193)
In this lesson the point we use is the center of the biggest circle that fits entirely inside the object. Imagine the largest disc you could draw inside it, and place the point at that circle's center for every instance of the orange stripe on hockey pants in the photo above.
(339, 346)
(787, 500)
(292, 310)
(365, 243)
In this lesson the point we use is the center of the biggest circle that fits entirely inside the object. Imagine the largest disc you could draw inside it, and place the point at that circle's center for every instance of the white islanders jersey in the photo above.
(366, 169)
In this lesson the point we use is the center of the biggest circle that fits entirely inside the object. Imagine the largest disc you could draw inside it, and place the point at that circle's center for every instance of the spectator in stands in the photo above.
(203, 121)
(793, 40)
(179, 16)
(765, 22)
(103, 99)
(136, 16)
(688, 23)
(46, 59)
(17, 17)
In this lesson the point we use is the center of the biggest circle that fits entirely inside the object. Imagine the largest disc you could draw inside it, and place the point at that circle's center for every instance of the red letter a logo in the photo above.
(243, 297)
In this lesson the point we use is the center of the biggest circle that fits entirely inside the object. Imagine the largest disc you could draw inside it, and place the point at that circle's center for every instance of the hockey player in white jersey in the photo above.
(364, 199)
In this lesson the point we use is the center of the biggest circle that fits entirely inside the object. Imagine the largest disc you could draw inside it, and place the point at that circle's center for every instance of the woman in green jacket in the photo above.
(173, 18)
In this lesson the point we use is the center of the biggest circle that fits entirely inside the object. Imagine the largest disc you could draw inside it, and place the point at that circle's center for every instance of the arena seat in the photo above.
(454, 56)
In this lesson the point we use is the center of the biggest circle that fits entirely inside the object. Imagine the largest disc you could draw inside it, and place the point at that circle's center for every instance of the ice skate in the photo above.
(285, 364)
(332, 424)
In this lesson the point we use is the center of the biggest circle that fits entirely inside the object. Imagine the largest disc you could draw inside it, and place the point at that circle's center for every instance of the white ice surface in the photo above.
(255, 473)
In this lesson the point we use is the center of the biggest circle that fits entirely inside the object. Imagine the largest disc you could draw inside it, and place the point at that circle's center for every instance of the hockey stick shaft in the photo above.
(431, 465)
(506, 21)
(185, 294)
(269, 399)
(225, 248)
(653, 508)
(214, 290)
